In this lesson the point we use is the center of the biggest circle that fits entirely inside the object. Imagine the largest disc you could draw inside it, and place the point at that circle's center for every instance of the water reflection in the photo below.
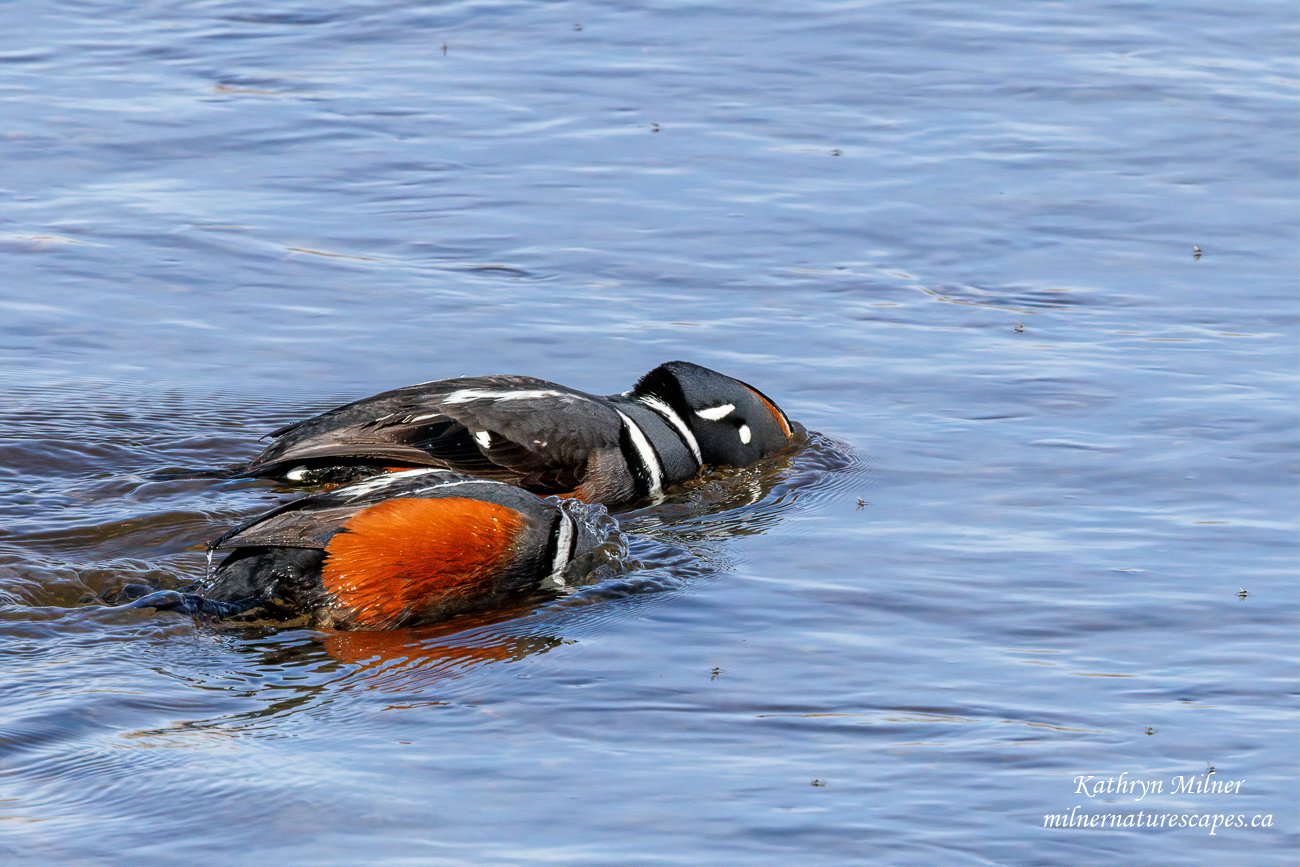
(148, 490)
(734, 502)
(673, 545)
(219, 222)
(288, 673)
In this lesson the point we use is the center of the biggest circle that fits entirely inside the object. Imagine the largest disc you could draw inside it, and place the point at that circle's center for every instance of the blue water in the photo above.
(1049, 529)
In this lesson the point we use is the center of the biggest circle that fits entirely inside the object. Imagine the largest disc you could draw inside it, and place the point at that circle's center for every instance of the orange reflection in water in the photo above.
(403, 659)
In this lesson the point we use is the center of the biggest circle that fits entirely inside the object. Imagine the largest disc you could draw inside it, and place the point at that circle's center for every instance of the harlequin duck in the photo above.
(401, 549)
(545, 437)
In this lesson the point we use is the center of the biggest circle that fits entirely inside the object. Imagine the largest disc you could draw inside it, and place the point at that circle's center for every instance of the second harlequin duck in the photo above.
(401, 549)
(545, 437)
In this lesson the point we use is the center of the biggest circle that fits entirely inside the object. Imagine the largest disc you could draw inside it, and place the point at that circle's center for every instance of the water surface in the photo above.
(1048, 529)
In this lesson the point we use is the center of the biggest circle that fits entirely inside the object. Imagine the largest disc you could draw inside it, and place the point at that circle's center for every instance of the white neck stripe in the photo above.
(646, 453)
(563, 541)
(666, 412)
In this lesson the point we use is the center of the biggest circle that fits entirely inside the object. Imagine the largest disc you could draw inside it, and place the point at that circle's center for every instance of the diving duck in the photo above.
(401, 549)
(541, 436)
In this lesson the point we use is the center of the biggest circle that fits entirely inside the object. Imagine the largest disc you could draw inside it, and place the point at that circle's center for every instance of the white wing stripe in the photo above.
(465, 395)
(378, 483)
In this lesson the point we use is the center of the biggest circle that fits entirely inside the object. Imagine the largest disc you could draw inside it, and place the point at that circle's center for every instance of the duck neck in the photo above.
(673, 443)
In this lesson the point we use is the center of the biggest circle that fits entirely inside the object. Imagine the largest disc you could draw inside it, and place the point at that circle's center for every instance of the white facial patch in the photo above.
(483, 438)
(745, 435)
(715, 413)
(465, 395)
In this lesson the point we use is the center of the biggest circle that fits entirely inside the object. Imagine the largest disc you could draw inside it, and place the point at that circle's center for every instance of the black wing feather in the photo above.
(542, 442)
(310, 521)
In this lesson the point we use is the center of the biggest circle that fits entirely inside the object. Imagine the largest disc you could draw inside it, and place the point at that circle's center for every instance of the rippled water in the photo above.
(1047, 530)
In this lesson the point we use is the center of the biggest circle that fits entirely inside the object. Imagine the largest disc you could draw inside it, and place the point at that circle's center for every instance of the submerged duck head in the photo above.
(733, 423)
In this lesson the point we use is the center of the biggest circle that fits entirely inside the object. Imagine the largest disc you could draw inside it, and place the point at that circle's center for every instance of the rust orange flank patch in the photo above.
(776, 414)
(401, 556)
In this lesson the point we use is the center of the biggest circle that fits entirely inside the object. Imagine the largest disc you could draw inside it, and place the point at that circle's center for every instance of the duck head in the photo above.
(734, 423)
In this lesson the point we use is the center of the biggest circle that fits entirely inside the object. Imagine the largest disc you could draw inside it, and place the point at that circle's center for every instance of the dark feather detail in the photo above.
(539, 434)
